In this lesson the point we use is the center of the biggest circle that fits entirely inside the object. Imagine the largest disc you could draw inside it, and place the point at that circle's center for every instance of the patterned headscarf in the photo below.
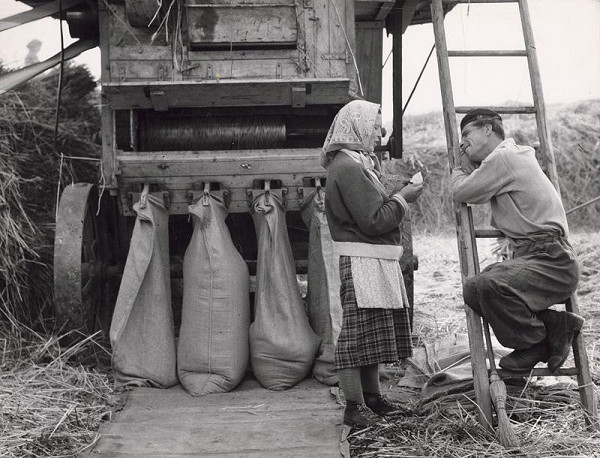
(351, 129)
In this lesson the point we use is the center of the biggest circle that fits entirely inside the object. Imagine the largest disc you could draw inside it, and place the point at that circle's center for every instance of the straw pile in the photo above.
(575, 132)
(30, 169)
(52, 398)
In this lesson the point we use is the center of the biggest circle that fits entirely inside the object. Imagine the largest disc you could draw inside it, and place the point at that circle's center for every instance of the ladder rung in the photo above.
(539, 372)
(488, 234)
(489, 53)
(480, 1)
(501, 110)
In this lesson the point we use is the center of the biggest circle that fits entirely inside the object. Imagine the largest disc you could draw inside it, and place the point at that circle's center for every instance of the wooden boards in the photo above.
(250, 421)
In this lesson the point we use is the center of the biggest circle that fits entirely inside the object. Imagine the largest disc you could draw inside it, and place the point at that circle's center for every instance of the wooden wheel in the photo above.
(81, 257)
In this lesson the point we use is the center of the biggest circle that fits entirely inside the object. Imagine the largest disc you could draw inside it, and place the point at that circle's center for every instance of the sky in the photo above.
(566, 33)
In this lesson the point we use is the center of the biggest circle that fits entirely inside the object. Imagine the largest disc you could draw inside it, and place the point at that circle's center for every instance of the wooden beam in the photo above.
(396, 151)
(486, 53)
(500, 110)
(39, 12)
(384, 9)
(15, 78)
(408, 11)
(240, 92)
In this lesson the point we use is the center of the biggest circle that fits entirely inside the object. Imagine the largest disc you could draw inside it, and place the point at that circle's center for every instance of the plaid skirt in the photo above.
(369, 335)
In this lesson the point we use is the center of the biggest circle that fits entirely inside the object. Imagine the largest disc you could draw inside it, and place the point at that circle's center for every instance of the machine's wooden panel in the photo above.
(308, 39)
(228, 93)
(244, 68)
(248, 23)
(147, 70)
(238, 202)
(180, 172)
(219, 163)
(369, 46)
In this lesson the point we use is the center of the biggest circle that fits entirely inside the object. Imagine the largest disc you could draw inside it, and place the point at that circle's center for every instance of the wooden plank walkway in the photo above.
(304, 421)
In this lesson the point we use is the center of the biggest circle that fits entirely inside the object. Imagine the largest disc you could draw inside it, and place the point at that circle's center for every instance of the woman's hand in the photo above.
(411, 192)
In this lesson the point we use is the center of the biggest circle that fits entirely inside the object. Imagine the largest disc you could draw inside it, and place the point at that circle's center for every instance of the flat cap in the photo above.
(477, 113)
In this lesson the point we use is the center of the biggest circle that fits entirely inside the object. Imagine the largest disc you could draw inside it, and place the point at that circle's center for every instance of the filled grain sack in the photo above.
(141, 332)
(323, 296)
(282, 344)
(213, 352)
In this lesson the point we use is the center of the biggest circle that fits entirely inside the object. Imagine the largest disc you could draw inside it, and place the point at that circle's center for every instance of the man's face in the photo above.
(474, 141)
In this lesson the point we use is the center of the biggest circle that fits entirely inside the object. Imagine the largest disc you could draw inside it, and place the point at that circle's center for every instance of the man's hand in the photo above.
(465, 163)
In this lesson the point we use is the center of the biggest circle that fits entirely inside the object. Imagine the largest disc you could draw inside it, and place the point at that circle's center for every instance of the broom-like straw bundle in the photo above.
(506, 435)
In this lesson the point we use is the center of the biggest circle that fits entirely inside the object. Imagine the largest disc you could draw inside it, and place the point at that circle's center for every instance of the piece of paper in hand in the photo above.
(417, 178)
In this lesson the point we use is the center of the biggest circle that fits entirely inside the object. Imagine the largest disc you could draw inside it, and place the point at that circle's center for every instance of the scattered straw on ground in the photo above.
(52, 405)
(548, 420)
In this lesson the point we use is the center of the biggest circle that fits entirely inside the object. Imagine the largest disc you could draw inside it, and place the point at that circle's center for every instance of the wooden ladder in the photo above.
(467, 234)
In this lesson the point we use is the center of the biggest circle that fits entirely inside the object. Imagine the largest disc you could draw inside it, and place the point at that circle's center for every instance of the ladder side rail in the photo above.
(584, 380)
(465, 247)
(538, 95)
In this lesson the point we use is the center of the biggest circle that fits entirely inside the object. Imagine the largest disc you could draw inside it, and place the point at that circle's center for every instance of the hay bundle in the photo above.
(30, 165)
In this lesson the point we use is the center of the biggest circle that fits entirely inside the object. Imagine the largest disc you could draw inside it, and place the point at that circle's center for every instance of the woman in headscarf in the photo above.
(363, 220)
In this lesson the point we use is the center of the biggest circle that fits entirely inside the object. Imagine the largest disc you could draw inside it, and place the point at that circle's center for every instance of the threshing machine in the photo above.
(231, 97)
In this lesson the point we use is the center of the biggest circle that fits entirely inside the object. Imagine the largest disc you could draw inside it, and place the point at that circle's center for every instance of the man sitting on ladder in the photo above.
(514, 296)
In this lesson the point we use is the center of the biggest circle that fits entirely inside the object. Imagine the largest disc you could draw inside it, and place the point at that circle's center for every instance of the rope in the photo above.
(58, 99)
(418, 79)
(207, 133)
(165, 23)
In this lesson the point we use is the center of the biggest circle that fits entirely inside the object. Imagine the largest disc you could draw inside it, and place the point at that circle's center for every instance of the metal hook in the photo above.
(144, 195)
(267, 191)
(206, 196)
(319, 187)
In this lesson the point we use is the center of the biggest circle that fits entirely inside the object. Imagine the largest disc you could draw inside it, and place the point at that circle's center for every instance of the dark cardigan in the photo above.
(357, 206)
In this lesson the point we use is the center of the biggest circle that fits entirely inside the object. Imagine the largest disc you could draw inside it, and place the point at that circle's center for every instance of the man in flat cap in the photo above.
(515, 296)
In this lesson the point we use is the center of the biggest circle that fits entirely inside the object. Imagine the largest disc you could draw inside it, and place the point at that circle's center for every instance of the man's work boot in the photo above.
(381, 405)
(561, 328)
(359, 415)
(525, 360)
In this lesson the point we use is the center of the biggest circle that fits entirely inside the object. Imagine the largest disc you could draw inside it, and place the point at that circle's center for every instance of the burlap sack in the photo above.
(141, 332)
(213, 349)
(323, 297)
(282, 344)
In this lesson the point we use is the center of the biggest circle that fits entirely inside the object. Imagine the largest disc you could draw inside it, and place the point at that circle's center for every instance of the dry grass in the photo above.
(548, 420)
(30, 168)
(53, 398)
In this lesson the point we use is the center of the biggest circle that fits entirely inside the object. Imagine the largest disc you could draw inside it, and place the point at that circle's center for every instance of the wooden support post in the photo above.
(108, 124)
(397, 82)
